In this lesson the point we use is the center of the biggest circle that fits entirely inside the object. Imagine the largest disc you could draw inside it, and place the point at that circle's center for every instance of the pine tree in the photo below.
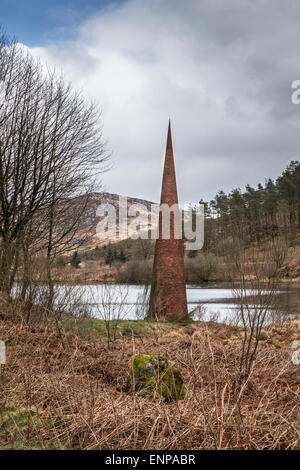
(122, 255)
(109, 255)
(75, 260)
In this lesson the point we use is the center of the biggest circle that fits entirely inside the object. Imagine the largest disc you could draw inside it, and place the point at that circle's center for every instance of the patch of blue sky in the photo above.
(41, 22)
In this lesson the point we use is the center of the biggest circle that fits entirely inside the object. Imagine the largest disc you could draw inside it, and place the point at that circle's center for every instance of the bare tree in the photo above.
(256, 274)
(51, 149)
(112, 306)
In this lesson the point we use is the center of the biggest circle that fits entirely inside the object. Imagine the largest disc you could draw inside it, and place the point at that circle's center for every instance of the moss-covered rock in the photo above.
(156, 377)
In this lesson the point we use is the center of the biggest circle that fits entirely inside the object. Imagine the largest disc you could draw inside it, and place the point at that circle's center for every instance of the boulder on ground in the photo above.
(156, 377)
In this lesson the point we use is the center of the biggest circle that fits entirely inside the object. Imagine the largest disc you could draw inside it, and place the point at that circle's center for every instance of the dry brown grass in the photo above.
(78, 391)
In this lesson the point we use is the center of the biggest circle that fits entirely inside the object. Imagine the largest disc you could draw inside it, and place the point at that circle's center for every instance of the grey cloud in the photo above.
(221, 70)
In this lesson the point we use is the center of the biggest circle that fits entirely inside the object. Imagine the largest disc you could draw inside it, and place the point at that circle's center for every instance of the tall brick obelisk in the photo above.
(168, 290)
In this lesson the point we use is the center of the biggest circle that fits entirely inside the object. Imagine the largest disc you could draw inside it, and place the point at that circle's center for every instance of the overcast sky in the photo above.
(222, 70)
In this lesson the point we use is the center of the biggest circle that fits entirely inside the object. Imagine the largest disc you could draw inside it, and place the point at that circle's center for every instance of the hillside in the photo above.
(131, 260)
(90, 219)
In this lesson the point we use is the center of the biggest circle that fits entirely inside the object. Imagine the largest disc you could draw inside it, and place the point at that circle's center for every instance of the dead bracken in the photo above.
(73, 392)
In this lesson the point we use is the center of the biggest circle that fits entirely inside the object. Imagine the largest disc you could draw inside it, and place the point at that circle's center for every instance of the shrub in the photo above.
(75, 260)
(136, 271)
(200, 268)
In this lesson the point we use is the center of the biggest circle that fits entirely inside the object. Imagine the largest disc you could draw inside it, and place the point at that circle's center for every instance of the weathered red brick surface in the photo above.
(168, 290)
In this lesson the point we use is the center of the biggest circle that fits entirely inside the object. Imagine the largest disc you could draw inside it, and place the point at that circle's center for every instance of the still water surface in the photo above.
(128, 301)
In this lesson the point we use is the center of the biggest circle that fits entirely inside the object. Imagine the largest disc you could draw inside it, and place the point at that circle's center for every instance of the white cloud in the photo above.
(221, 70)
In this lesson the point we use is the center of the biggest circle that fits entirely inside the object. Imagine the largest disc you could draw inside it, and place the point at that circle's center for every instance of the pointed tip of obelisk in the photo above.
(169, 138)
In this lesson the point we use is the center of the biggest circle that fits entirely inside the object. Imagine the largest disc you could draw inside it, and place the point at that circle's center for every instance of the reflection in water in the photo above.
(216, 303)
(290, 301)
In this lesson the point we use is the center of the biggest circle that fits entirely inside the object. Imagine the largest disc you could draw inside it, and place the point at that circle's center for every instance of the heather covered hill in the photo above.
(86, 237)
(254, 216)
